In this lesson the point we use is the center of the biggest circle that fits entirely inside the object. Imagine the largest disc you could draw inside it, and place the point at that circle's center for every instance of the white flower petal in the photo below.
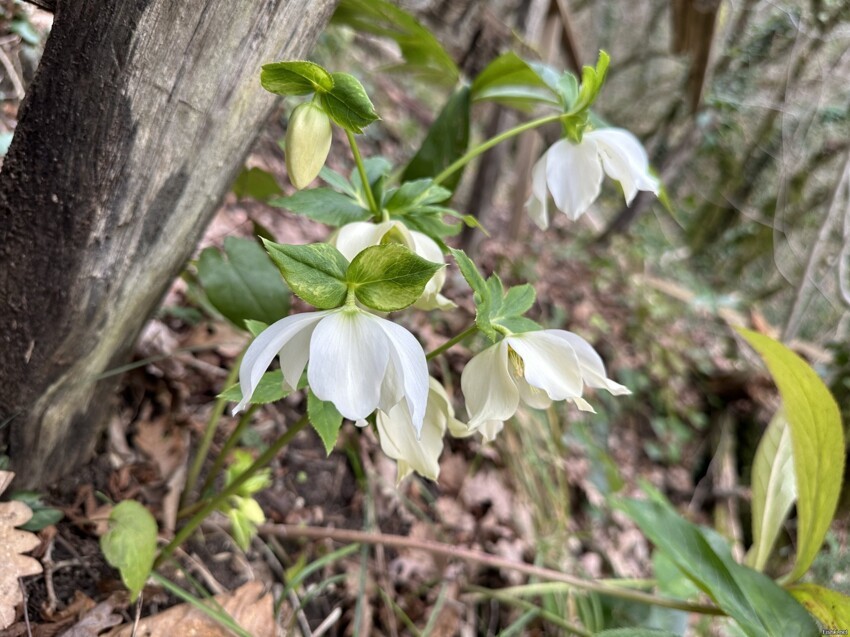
(625, 160)
(400, 442)
(532, 396)
(408, 368)
(490, 429)
(488, 388)
(574, 175)
(355, 237)
(592, 367)
(538, 202)
(549, 363)
(583, 405)
(349, 355)
(427, 248)
(268, 344)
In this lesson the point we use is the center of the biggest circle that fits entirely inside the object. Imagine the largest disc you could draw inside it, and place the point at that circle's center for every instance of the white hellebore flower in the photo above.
(358, 361)
(400, 442)
(573, 172)
(537, 367)
(355, 237)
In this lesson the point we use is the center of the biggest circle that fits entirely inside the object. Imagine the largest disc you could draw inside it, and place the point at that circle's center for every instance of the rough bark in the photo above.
(140, 115)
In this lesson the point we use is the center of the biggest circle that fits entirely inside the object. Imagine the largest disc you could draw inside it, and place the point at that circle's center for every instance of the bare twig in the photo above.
(12, 72)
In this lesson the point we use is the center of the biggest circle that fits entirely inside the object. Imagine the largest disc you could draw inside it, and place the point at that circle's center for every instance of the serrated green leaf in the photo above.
(510, 80)
(389, 277)
(446, 141)
(347, 103)
(242, 283)
(831, 608)
(817, 443)
(315, 272)
(424, 56)
(130, 544)
(324, 205)
(256, 183)
(269, 390)
(470, 272)
(326, 420)
(295, 78)
(761, 608)
(518, 300)
(774, 489)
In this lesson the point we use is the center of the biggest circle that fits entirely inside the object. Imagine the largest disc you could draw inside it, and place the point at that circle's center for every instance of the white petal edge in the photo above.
(574, 176)
(349, 355)
(538, 202)
(266, 346)
(592, 366)
(625, 160)
(408, 364)
(488, 388)
(549, 363)
(355, 237)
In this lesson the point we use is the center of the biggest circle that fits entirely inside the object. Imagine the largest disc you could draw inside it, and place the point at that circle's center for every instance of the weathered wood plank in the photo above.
(140, 115)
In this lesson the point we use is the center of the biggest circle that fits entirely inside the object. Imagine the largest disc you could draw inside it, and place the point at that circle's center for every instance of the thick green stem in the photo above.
(209, 434)
(367, 187)
(265, 458)
(231, 442)
(469, 331)
(487, 145)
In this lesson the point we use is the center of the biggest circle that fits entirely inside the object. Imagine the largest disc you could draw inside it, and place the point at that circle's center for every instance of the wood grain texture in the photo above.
(140, 115)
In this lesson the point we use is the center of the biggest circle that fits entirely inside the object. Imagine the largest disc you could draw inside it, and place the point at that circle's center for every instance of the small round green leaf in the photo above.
(130, 544)
(295, 78)
(389, 277)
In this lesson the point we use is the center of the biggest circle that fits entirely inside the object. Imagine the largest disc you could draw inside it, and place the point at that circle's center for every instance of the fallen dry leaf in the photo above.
(247, 605)
(14, 542)
(95, 621)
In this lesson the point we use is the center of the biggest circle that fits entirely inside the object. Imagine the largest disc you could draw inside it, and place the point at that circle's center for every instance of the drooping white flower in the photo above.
(537, 367)
(353, 238)
(358, 361)
(400, 442)
(572, 173)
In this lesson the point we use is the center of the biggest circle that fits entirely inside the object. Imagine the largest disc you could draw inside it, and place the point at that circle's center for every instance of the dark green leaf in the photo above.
(389, 277)
(269, 390)
(295, 78)
(241, 283)
(326, 420)
(42, 515)
(347, 103)
(511, 81)
(323, 204)
(315, 272)
(130, 544)
(256, 183)
(447, 140)
(413, 195)
(423, 54)
(759, 606)
(336, 181)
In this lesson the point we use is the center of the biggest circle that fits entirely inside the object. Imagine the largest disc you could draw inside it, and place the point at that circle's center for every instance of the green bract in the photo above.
(130, 544)
(295, 78)
(325, 418)
(496, 310)
(347, 103)
(389, 277)
(314, 272)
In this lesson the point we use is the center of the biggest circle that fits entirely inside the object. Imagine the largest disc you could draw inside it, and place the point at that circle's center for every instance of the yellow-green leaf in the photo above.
(831, 608)
(774, 489)
(130, 544)
(817, 443)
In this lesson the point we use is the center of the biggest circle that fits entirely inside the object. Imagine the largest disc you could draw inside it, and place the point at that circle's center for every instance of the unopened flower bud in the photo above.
(308, 142)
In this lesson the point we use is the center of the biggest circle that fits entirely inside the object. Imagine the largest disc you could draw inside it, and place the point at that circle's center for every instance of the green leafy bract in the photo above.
(325, 205)
(389, 277)
(315, 272)
(347, 103)
(592, 79)
(817, 444)
(326, 420)
(241, 283)
(256, 183)
(447, 140)
(761, 608)
(130, 544)
(510, 80)
(495, 308)
(295, 78)
(774, 489)
(270, 389)
(423, 54)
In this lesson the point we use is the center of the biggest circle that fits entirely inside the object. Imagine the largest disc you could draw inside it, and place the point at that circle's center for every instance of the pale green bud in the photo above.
(308, 142)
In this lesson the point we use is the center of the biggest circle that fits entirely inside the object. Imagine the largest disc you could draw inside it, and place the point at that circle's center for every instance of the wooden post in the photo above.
(140, 115)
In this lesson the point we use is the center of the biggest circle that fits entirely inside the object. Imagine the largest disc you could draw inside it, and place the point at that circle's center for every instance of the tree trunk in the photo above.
(140, 115)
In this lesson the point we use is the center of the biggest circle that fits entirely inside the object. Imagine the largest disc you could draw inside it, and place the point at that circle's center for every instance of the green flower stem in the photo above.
(451, 551)
(231, 442)
(469, 331)
(209, 434)
(367, 187)
(498, 139)
(211, 505)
